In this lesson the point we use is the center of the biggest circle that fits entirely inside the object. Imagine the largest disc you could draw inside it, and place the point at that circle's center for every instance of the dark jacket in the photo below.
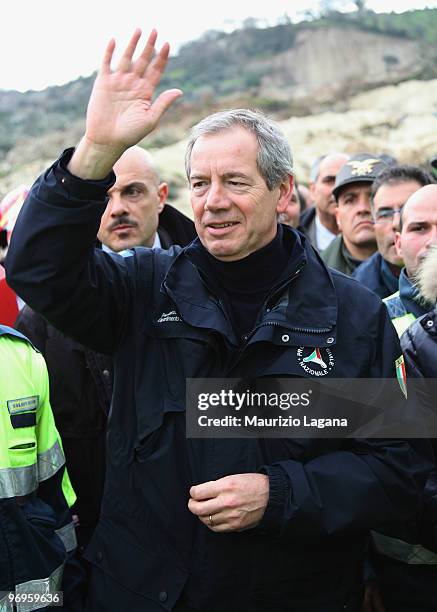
(337, 256)
(307, 224)
(419, 344)
(411, 584)
(80, 393)
(81, 389)
(175, 227)
(375, 274)
(156, 315)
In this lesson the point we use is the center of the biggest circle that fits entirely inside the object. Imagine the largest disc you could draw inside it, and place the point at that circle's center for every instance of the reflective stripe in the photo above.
(68, 536)
(50, 461)
(413, 554)
(17, 481)
(402, 323)
(5, 604)
(43, 586)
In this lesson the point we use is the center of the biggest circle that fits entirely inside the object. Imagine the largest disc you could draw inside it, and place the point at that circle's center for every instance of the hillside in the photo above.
(312, 70)
(400, 120)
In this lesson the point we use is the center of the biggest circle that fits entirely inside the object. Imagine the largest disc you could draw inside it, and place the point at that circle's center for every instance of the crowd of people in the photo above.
(105, 501)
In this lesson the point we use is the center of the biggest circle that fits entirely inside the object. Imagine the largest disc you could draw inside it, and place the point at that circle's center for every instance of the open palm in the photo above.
(121, 111)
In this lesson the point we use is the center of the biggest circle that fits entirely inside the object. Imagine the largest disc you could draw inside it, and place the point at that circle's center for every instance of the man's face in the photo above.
(135, 201)
(387, 202)
(321, 189)
(353, 215)
(291, 214)
(419, 228)
(234, 212)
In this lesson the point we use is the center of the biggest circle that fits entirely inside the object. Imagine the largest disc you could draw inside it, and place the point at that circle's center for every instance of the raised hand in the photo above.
(121, 111)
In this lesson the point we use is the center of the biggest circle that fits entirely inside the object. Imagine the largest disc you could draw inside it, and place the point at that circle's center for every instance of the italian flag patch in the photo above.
(401, 374)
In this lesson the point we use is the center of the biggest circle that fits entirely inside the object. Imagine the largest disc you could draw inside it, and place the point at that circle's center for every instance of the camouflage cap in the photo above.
(362, 168)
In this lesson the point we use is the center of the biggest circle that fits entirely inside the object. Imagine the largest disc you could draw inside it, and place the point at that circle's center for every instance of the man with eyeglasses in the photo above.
(391, 189)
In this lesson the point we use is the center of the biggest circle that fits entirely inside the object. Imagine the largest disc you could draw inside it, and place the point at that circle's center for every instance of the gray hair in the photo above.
(274, 159)
(315, 168)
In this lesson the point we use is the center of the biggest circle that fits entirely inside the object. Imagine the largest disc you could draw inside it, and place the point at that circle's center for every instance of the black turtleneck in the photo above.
(243, 285)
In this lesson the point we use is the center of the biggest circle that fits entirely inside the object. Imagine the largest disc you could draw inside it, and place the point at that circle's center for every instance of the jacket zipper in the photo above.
(305, 330)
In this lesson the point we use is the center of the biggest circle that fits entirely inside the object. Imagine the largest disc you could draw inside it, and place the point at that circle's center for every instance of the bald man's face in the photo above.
(135, 201)
(419, 228)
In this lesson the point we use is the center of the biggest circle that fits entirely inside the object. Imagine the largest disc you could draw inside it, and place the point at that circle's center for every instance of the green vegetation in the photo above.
(416, 25)
(220, 60)
(219, 70)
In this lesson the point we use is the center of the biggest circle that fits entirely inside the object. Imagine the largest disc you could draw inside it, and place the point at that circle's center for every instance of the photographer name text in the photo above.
(271, 422)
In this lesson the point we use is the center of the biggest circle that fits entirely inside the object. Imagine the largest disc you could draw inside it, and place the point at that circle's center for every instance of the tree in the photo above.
(250, 23)
(361, 5)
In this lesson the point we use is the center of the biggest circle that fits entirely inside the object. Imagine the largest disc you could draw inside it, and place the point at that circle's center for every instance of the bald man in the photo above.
(81, 379)
(135, 202)
(418, 232)
(135, 213)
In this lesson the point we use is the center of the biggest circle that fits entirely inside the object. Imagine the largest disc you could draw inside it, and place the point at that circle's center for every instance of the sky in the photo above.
(50, 42)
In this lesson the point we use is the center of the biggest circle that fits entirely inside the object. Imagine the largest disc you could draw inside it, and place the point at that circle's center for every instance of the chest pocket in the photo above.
(170, 353)
(22, 411)
(22, 453)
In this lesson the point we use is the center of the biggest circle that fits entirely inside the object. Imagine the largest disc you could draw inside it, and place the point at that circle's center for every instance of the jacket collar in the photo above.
(409, 295)
(337, 256)
(303, 300)
(9, 331)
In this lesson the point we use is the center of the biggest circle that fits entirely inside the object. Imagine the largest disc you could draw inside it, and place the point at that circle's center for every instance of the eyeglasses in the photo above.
(385, 215)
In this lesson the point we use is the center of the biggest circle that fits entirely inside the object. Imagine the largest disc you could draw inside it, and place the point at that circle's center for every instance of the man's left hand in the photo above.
(232, 503)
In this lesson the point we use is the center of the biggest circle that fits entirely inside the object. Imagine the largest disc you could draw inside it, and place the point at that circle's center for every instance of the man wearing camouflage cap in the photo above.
(353, 213)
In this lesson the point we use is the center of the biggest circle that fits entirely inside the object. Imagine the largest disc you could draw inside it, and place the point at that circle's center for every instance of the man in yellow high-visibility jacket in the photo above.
(37, 538)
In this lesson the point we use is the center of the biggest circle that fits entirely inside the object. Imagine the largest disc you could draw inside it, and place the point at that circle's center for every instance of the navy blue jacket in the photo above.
(375, 274)
(325, 494)
(406, 571)
(419, 343)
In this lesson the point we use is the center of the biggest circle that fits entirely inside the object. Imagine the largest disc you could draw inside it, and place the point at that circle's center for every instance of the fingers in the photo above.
(154, 71)
(163, 102)
(213, 522)
(143, 67)
(143, 61)
(205, 490)
(107, 57)
(207, 512)
(126, 59)
(204, 508)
